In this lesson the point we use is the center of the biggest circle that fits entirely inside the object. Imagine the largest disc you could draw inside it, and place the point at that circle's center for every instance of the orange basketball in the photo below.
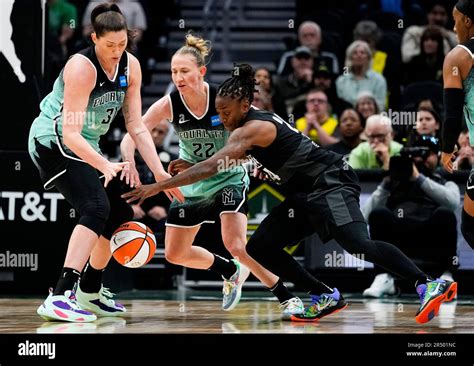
(133, 244)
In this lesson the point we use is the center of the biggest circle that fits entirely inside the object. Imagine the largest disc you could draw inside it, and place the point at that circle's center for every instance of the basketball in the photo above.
(133, 244)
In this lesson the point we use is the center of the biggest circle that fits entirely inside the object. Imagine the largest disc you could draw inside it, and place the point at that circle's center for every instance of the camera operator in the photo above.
(414, 208)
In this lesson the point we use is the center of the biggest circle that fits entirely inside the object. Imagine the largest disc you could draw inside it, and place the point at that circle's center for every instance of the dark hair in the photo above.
(241, 85)
(361, 118)
(109, 18)
(269, 74)
(466, 7)
(433, 32)
(435, 114)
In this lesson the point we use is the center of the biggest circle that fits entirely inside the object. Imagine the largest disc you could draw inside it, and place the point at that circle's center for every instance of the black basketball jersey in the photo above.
(199, 137)
(105, 100)
(292, 159)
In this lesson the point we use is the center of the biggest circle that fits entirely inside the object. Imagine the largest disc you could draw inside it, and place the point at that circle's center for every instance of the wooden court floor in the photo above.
(253, 315)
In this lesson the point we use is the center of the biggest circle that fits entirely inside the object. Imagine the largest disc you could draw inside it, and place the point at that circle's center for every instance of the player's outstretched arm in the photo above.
(240, 141)
(457, 65)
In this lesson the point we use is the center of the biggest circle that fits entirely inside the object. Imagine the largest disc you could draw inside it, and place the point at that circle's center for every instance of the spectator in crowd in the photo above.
(428, 123)
(366, 105)
(317, 123)
(153, 211)
(293, 87)
(350, 129)
(414, 208)
(437, 15)
(262, 99)
(359, 77)
(265, 80)
(368, 31)
(428, 65)
(465, 157)
(426, 103)
(309, 35)
(324, 79)
(132, 11)
(379, 147)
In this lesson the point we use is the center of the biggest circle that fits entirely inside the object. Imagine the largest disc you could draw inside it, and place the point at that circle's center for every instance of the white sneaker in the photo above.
(291, 307)
(383, 285)
(448, 276)
(64, 308)
(232, 289)
(100, 303)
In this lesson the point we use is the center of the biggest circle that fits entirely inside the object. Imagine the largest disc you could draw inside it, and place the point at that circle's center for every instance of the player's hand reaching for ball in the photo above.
(178, 165)
(110, 170)
(142, 193)
(130, 173)
(173, 192)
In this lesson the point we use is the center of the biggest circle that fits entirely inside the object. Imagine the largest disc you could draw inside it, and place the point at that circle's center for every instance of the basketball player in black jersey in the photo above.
(322, 196)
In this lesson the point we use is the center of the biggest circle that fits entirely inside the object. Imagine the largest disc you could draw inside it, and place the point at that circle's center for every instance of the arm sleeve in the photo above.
(452, 126)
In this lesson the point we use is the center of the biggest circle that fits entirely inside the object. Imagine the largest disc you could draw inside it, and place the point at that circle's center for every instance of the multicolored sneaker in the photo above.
(432, 294)
(64, 308)
(232, 289)
(291, 307)
(100, 303)
(321, 306)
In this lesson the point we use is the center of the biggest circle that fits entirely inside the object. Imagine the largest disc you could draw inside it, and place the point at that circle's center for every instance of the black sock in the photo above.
(320, 288)
(67, 280)
(281, 291)
(223, 266)
(91, 279)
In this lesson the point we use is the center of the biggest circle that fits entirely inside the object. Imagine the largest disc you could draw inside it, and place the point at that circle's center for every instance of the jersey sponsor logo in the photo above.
(215, 121)
(201, 133)
(228, 197)
(182, 119)
(102, 83)
(123, 81)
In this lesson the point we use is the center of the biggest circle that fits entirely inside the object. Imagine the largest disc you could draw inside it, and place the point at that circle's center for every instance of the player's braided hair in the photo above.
(241, 85)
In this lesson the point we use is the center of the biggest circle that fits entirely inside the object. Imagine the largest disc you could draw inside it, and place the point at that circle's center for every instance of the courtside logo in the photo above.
(215, 121)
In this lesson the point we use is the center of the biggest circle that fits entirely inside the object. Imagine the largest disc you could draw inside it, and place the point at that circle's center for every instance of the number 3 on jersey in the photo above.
(111, 113)
(203, 150)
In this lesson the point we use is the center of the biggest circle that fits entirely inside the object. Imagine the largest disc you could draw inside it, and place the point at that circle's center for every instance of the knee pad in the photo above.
(467, 228)
(94, 215)
(120, 213)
